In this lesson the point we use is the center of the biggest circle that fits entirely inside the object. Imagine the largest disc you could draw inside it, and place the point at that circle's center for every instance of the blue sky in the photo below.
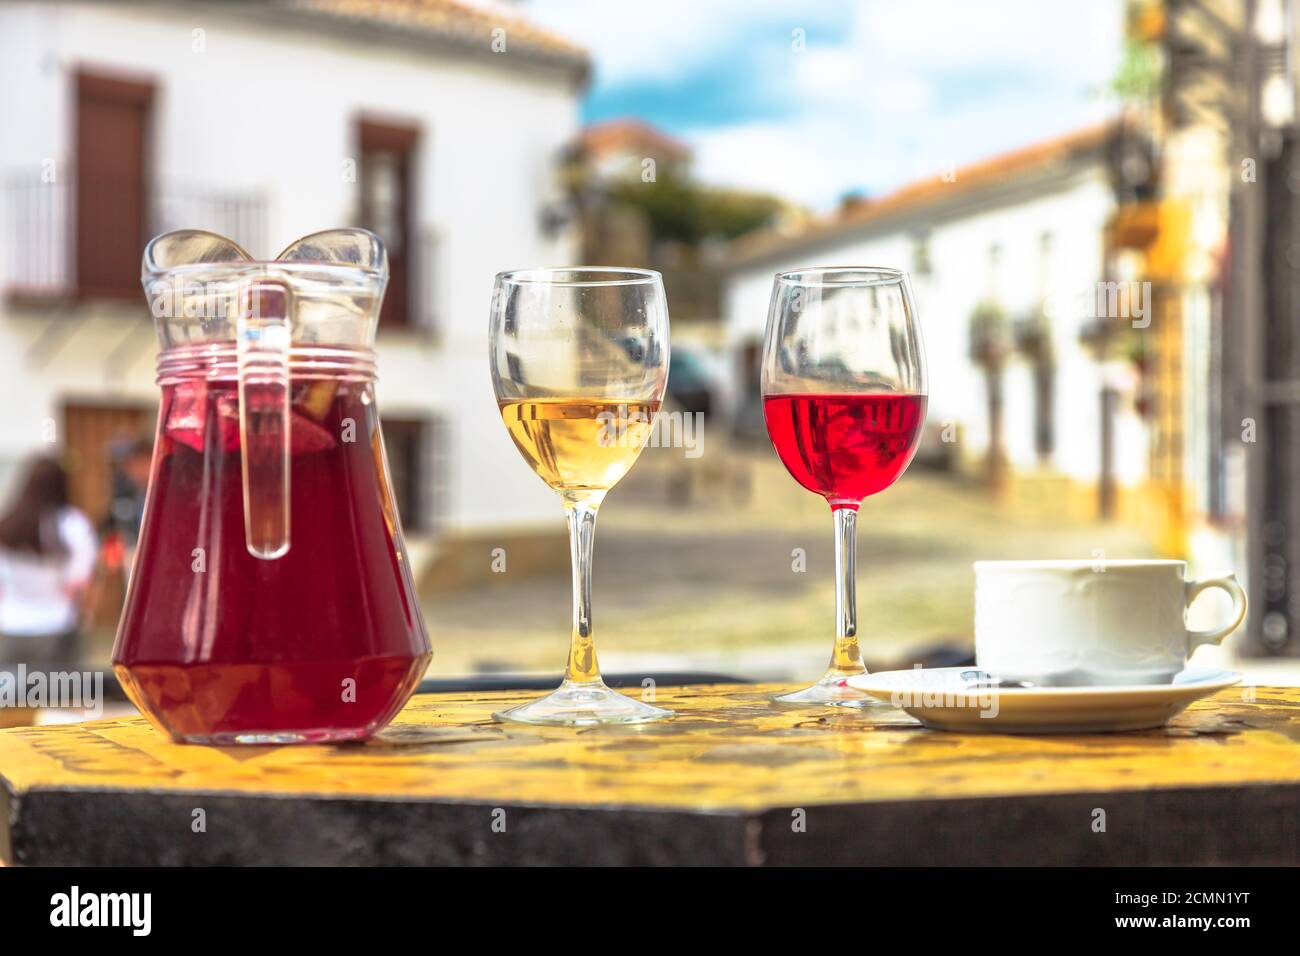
(882, 93)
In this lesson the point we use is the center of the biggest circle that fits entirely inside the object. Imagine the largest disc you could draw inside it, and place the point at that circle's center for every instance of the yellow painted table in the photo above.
(731, 780)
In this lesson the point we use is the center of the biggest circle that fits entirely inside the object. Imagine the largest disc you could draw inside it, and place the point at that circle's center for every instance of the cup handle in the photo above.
(263, 348)
(1227, 582)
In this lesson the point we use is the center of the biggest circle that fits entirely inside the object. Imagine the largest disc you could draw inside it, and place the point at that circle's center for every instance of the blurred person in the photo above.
(47, 557)
(126, 507)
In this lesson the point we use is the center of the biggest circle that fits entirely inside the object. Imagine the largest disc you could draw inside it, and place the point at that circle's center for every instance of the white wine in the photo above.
(579, 444)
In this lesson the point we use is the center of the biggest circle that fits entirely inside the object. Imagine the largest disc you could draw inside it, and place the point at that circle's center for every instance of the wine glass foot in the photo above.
(584, 705)
(833, 690)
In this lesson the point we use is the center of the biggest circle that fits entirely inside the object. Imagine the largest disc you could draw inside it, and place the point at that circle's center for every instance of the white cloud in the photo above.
(1065, 39)
(893, 95)
(815, 159)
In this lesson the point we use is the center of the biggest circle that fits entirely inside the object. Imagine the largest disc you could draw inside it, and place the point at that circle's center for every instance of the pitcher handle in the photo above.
(263, 338)
(1228, 583)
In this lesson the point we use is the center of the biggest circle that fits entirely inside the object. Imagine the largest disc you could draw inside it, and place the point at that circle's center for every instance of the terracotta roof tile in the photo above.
(453, 20)
(930, 191)
(618, 134)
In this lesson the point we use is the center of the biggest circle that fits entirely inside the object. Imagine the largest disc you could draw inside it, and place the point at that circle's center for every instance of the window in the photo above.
(387, 202)
(1044, 408)
(1045, 265)
(921, 264)
(416, 451)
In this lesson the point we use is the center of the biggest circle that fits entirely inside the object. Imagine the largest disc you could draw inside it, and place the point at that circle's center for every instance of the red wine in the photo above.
(323, 643)
(845, 447)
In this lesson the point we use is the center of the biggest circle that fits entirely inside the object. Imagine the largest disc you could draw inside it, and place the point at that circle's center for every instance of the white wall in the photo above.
(1074, 213)
(273, 110)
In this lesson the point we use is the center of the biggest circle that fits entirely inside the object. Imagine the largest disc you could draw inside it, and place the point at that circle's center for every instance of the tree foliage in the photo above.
(678, 209)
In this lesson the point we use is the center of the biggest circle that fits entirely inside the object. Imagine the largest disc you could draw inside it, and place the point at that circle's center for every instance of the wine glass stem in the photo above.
(581, 509)
(846, 660)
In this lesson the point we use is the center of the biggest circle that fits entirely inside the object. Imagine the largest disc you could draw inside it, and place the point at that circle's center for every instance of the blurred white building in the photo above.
(436, 124)
(630, 150)
(1024, 232)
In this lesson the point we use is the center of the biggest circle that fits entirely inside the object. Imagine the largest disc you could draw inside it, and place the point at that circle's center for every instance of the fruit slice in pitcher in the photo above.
(305, 436)
(190, 406)
(187, 413)
(313, 399)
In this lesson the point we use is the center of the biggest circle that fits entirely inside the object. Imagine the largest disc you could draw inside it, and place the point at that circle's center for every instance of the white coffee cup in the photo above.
(1072, 623)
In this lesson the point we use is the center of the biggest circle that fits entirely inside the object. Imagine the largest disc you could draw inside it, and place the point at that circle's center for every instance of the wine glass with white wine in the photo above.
(579, 364)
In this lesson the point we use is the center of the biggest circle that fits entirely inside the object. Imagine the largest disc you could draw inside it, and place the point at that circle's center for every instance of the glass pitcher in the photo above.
(271, 599)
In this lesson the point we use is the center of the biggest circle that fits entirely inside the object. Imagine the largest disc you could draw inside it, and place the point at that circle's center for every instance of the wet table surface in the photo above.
(731, 780)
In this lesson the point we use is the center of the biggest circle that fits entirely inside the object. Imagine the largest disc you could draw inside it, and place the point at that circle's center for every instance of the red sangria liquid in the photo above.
(324, 643)
(845, 447)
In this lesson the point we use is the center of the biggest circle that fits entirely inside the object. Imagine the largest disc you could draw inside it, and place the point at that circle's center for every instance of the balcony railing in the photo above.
(239, 216)
(38, 238)
(53, 253)
(421, 309)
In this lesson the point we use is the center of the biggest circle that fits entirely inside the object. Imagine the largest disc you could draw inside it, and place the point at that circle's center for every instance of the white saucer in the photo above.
(967, 699)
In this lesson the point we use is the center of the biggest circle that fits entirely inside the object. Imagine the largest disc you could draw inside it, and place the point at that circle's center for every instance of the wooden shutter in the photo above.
(387, 208)
(112, 140)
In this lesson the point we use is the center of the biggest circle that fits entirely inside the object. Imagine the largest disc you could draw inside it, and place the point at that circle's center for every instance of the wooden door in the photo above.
(94, 436)
(112, 138)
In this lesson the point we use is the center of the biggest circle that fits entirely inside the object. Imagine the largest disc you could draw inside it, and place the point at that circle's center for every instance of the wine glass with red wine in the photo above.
(844, 397)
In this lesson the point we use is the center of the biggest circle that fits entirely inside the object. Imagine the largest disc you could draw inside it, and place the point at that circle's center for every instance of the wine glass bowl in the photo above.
(844, 399)
(579, 362)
